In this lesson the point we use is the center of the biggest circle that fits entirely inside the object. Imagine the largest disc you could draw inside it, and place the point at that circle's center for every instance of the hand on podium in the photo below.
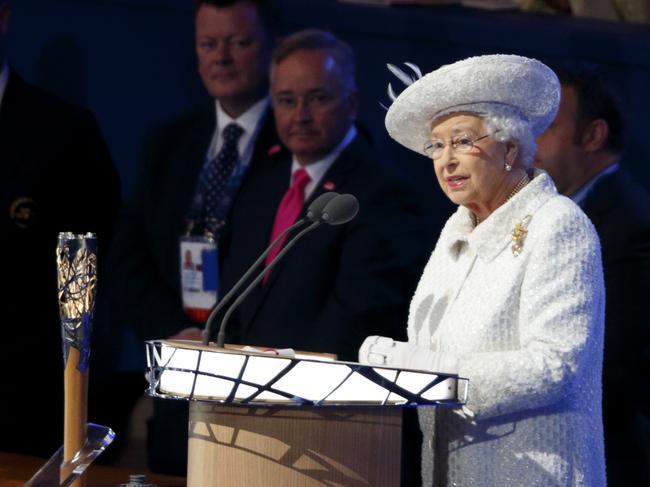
(379, 350)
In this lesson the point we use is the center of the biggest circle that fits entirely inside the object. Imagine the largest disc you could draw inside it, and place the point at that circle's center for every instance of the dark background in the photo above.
(132, 61)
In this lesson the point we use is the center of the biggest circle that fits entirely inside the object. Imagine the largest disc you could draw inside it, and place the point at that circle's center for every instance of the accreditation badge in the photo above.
(199, 269)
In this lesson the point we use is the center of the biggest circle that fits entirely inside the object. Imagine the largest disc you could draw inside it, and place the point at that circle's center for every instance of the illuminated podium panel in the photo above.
(306, 420)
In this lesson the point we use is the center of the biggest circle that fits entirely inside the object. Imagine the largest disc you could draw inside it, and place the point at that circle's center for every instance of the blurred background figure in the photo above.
(618, 10)
(582, 151)
(191, 171)
(57, 175)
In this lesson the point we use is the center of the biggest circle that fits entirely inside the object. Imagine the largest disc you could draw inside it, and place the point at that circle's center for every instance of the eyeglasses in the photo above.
(460, 143)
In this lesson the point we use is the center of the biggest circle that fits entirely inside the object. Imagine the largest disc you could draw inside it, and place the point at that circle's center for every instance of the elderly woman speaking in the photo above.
(512, 297)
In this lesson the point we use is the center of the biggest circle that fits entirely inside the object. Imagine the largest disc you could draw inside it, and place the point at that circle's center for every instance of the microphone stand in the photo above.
(221, 336)
(223, 301)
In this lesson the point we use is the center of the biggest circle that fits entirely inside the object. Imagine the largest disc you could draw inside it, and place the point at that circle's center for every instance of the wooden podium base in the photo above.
(293, 446)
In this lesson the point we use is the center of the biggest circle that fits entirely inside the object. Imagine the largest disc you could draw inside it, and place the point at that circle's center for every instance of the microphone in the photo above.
(314, 213)
(315, 210)
(340, 209)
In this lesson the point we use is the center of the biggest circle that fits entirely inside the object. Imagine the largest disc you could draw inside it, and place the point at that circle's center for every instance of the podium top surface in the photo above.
(192, 371)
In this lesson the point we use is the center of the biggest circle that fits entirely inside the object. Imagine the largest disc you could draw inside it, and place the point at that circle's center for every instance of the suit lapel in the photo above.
(336, 176)
(333, 180)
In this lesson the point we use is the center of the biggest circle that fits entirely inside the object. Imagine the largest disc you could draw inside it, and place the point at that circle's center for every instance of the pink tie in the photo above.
(288, 211)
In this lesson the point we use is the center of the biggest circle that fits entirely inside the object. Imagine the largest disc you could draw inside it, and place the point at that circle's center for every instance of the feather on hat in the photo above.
(526, 85)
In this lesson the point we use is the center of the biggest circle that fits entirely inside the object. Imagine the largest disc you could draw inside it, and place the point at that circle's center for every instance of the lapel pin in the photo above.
(274, 149)
(329, 186)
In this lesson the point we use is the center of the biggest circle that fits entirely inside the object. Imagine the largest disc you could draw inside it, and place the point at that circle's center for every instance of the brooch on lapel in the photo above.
(274, 149)
(329, 186)
(519, 235)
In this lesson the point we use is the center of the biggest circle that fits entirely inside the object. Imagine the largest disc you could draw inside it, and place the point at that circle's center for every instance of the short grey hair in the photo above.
(506, 124)
(315, 40)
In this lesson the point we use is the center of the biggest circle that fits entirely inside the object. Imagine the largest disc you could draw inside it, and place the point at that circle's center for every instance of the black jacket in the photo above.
(56, 175)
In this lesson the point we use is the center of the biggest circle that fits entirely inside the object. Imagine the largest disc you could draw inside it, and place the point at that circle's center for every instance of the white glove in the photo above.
(378, 350)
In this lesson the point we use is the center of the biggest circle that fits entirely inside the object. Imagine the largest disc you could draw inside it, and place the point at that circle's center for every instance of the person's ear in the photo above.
(512, 151)
(595, 135)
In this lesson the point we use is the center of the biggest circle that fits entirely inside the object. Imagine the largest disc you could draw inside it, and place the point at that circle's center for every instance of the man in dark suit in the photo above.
(233, 46)
(338, 283)
(57, 175)
(582, 151)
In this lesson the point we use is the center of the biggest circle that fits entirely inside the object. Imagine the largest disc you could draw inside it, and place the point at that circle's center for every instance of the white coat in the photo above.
(527, 330)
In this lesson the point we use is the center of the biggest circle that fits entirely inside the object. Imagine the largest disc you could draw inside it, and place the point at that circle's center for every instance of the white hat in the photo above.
(526, 86)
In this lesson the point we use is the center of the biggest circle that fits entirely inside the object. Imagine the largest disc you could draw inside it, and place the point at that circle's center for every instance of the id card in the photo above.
(199, 269)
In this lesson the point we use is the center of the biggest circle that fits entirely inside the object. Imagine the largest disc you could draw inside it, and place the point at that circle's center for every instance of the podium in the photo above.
(266, 420)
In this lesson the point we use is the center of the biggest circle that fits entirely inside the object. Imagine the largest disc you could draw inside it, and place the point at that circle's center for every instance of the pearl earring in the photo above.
(508, 167)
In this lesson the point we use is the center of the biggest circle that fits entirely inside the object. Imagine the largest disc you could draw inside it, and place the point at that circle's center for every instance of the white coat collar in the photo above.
(495, 233)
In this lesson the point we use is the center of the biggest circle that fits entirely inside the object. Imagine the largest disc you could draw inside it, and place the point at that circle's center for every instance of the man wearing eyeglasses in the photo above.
(582, 151)
(338, 283)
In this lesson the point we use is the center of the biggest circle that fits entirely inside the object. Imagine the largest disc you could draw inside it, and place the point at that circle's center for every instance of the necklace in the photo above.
(522, 182)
